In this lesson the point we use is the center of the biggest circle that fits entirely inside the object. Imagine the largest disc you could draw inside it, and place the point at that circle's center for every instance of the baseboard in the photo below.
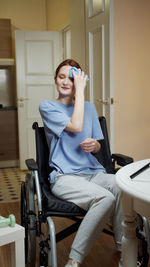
(9, 163)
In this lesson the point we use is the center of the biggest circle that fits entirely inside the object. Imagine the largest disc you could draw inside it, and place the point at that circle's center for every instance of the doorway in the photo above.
(92, 46)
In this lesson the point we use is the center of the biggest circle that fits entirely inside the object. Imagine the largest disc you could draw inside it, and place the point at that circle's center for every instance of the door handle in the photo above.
(21, 99)
(106, 101)
(103, 101)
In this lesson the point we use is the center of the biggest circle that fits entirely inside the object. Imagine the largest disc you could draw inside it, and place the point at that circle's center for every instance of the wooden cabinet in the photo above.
(8, 134)
(5, 38)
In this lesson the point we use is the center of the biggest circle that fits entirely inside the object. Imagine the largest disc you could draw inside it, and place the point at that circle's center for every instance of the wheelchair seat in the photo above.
(39, 205)
(50, 203)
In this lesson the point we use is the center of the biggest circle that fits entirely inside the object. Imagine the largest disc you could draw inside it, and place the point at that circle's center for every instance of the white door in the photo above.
(37, 55)
(97, 19)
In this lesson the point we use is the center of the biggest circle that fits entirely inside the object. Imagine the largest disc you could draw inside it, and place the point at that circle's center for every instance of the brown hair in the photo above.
(67, 62)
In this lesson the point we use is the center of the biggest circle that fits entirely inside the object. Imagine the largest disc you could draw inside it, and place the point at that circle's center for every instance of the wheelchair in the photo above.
(39, 205)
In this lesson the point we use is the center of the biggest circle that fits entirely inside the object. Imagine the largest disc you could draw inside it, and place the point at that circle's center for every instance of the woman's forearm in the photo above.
(76, 121)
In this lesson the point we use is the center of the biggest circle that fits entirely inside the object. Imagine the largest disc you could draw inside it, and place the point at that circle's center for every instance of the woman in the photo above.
(72, 130)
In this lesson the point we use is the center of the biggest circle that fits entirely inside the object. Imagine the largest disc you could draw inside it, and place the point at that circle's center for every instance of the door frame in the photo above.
(66, 42)
(78, 32)
(111, 68)
(110, 124)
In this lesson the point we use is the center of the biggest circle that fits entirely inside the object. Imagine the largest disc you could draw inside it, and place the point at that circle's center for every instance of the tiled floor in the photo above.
(10, 181)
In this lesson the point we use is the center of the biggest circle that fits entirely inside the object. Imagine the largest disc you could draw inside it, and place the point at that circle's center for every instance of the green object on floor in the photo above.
(10, 221)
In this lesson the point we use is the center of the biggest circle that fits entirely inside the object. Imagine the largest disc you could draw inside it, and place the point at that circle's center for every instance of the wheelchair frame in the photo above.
(33, 216)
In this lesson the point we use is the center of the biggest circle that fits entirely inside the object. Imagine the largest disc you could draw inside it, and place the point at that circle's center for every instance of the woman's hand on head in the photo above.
(90, 145)
(79, 80)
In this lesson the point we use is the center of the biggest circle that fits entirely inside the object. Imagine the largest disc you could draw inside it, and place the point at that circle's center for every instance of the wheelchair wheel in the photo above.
(28, 220)
(31, 235)
(143, 255)
(24, 217)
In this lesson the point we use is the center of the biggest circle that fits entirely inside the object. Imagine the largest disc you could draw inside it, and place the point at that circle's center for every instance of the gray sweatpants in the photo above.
(100, 196)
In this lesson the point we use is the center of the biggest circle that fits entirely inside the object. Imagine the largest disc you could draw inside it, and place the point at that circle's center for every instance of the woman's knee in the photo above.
(114, 189)
(108, 198)
(111, 199)
(109, 202)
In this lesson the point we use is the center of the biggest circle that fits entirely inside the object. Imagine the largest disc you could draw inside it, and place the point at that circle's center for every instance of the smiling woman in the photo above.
(72, 131)
(71, 91)
(64, 84)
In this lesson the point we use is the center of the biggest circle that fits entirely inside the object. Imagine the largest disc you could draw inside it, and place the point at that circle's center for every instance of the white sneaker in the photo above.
(120, 263)
(74, 264)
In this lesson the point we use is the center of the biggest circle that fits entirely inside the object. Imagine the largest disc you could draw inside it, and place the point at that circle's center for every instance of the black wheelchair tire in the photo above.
(143, 255)
(24, 217)
(31, 246)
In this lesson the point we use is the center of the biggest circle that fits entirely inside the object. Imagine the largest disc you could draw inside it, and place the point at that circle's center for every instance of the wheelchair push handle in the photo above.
(10, 221)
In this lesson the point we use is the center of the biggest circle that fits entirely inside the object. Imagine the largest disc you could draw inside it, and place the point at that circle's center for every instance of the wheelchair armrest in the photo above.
(31, 164)
(121, 159)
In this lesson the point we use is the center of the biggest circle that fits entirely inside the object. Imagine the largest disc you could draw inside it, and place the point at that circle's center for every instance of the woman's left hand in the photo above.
(79, 80)
(89, 145)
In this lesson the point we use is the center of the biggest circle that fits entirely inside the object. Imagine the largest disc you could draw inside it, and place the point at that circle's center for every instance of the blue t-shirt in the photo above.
(66, 155)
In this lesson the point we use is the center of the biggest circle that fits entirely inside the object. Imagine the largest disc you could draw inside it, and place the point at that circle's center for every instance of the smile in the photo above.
(65, 88)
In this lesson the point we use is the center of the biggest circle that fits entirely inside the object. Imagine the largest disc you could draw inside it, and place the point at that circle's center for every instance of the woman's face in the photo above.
(64, 83)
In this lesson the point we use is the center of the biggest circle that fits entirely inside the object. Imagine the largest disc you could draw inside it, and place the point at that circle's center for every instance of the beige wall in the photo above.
(24, 15)
(58, 14)
(132, 77)
(38, 15)
(77, 31)
(41, 15)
